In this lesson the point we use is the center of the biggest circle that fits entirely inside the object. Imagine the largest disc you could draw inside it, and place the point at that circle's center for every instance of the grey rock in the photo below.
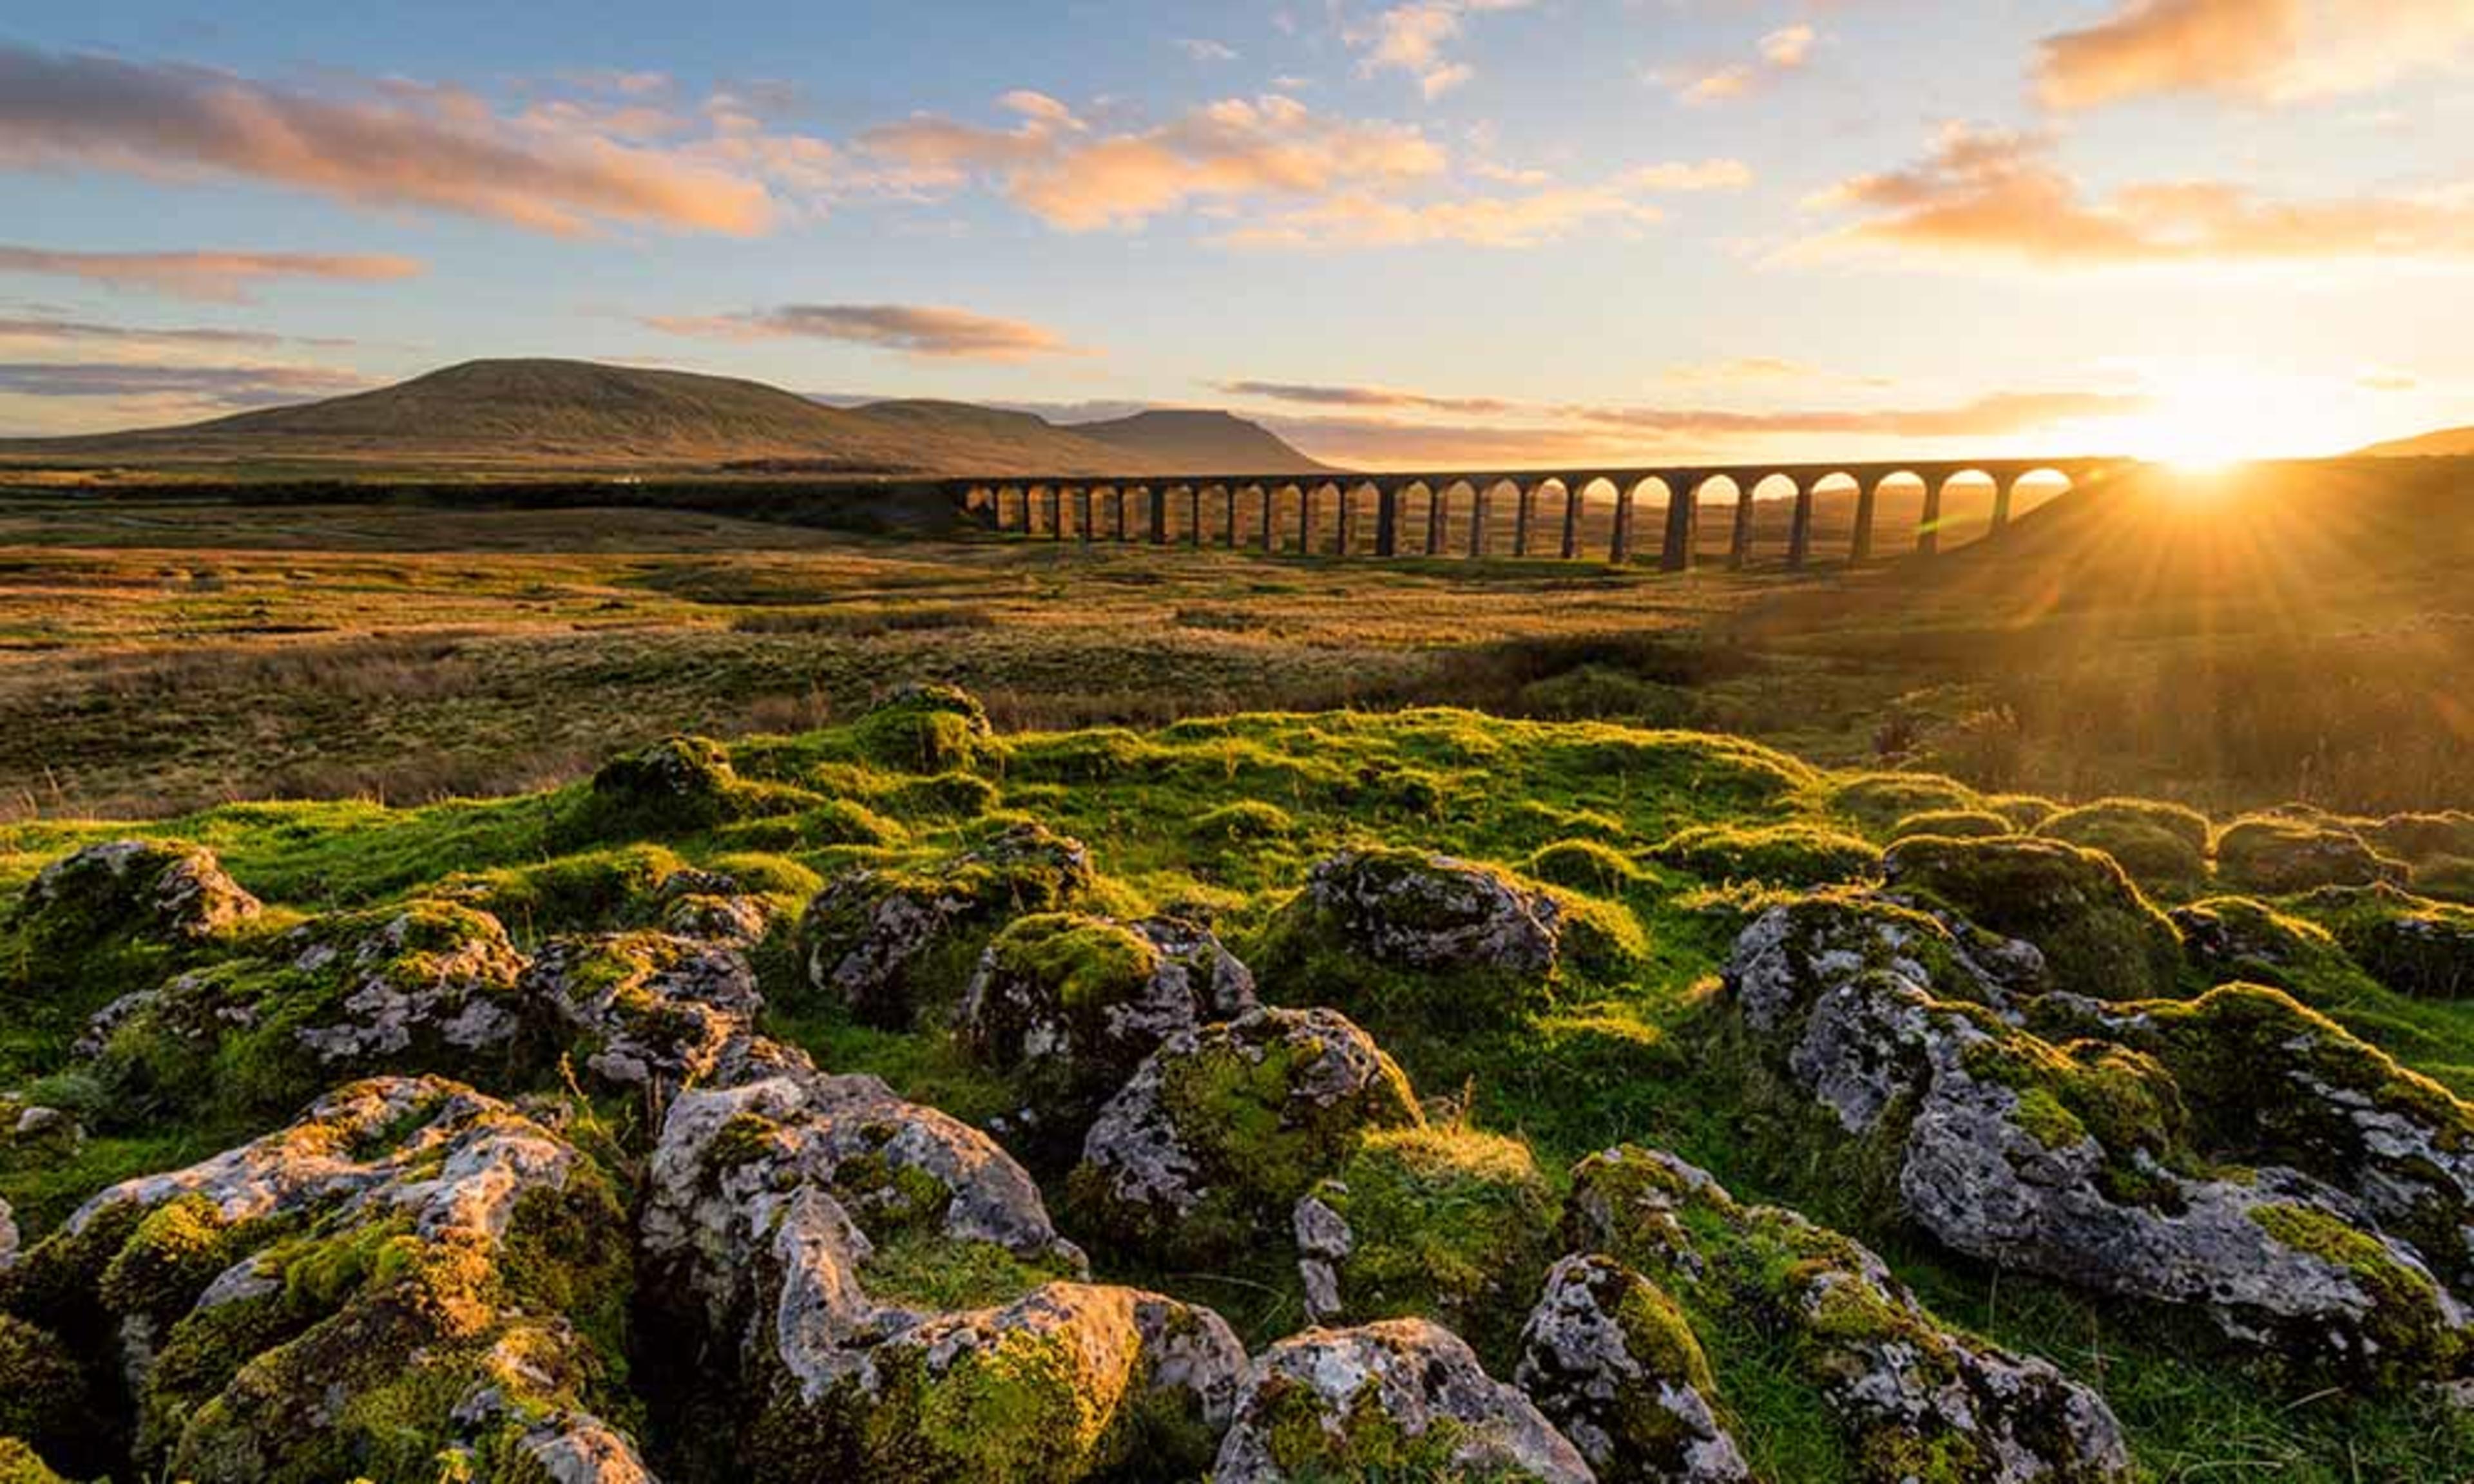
(1611, 1363)
(649, 1010)
(1413, 1376)
(152, 889)
(7, 1237)
(1324, 1241)
(1434, 913)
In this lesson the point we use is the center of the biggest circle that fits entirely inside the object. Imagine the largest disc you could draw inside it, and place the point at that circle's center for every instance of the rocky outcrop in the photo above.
(1902, 1388)
(645, 1010)
(1404, 1399)
(9, 1237)
(923, 729)
(886, 1277)
(428, 987)
(150, 889)
(711, 906)
(412, 1272)
(1613, 1364)
(883, 942)
(1408, 910)
(1069, 1006)
(1224, 1127)
(2078, 1159)
(2412, 945)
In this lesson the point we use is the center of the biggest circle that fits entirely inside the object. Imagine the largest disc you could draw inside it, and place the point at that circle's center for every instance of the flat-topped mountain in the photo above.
(526, 415)
(1200, 439)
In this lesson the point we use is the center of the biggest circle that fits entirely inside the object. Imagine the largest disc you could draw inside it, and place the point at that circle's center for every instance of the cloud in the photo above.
(1079, 179)
(1709, 175)
(86, 332)
(1204, 49)
(1365, 397)
(1999, 196)
(1997, 414)
(1781, 52)
(1414, 37)
(1524, 217)
(2274, 51)
(230, 387)
(564, 166)
(914, 330)
(1754, 370)
(215, 275)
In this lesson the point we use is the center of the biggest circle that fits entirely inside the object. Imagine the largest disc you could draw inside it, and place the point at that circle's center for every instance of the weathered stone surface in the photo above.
(2097, 934)
(1224, 1127)
(349, 1294)
(153, 890)
(9, 1237)
(1070, 1006)
(2412, 945)
(2076, 1160)
(1905, 1389)
(886, 1277)
(427, 986)
(868, 937)
(711, 906)
(1409, 910)
(2278, 855)
(1401, 1399)
(646, 1010)
(1612, 1363)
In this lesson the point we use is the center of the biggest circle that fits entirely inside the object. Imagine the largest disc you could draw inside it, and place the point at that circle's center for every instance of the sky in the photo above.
(1422, 233)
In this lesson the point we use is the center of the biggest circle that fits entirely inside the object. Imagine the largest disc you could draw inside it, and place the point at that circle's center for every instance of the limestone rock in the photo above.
(1612, 1363)
(9, 1237)
(868, 935)
(1902, 1386)
(1404, 1397)
(2097, 934)
(1070, 1006)
(331, 1299)
(151, 890)
(1224, 1127)
(2412, 945)
(646, 1010)
(2280, 855)
(1409, 910)
(710, 905)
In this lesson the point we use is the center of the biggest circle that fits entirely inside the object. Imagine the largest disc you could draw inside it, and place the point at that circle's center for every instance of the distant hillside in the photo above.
(1200, 441)
(517, 416)
(2449, 442)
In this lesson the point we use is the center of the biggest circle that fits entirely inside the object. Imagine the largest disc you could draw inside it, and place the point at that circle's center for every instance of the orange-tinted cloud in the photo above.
(1539, 213)
(916, 329)
(394, 144)
(216, 276)
(1074, 177)
(1999, 194)
(1366, 396)
(2272, 50)
(225, 387)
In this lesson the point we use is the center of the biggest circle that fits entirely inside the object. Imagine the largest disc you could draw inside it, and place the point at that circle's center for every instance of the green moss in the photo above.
(2409, 1323)
(2100, 936)
(2163, 847)
(1447, 1224)
(1306, 1442)
(2414, 947)
(1953, 825)
(1245, 821)
(20, 1464)
(1583, 866)
(2279, 854)
(1790, 854)
(1878, 801)
(682, 786)
(43, 1393)
(2023, 811)
(924, 729)
(937, 1273)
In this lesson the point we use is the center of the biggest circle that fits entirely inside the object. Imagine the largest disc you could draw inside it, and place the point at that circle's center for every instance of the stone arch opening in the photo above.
(1772, 505)
(1595, 525)
(1718, 502)
(1896, 508)
(1959, 509)
(1835, 497)
(2031, 491)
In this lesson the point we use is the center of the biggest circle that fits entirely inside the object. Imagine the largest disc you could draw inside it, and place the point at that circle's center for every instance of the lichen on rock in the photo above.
(1403, 1399)
(1224, 1127)
(2099, 935)
(1613, 1362)
(2279, 855)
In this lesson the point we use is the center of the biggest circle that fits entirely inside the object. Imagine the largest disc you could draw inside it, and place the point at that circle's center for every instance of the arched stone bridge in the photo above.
(1274, 512)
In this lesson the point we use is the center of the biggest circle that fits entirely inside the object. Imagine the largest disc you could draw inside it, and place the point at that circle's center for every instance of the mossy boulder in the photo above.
(2419, 838)
(677, 786)
(1953, 825)
(1401, 1400)
(113, 918)
(2098, 1160)
(1792, 854)
(2411, 945)
(1583, 866)
(1912, 1397)
(645, 1010)
(2280, 855)
(887, 943)
(1436, 1221)
(2164, 846)
(925, 729)
(884, 1280)
(45, 1400)
(1612, 1362)
(427, 987)
(1068, 1006)
(411, 1273)
(2100, 936)
(2229, 939)
(1878, 801)
(1220, 1131)
(20, 1464)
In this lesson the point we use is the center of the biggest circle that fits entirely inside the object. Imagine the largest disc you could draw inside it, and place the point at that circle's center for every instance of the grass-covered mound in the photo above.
(872, 872)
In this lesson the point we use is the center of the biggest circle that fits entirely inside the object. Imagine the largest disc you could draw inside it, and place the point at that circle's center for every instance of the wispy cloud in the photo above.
(2001, 195)
(232, 388)
(1776, 54)
(2260, 50)
(1526, 217)
(1315, 395)
(211, 275)
(52, 330)
(1204, 49)
(914, 330)
(1416, 38)
(564, 166)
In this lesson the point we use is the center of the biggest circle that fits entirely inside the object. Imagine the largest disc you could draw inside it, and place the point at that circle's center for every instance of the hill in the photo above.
(1198, 440)
(517, 416)
(2448, 442)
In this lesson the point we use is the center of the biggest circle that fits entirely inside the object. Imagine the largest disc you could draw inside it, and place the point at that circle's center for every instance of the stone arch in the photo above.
(2029, 490)
(1777, 513)
(1833, 499)
(1486, 498)
(1593, 505)
(1441, 494)
(1642, 504)
(1881, 505)
(1958, 507)
(1718, 505)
